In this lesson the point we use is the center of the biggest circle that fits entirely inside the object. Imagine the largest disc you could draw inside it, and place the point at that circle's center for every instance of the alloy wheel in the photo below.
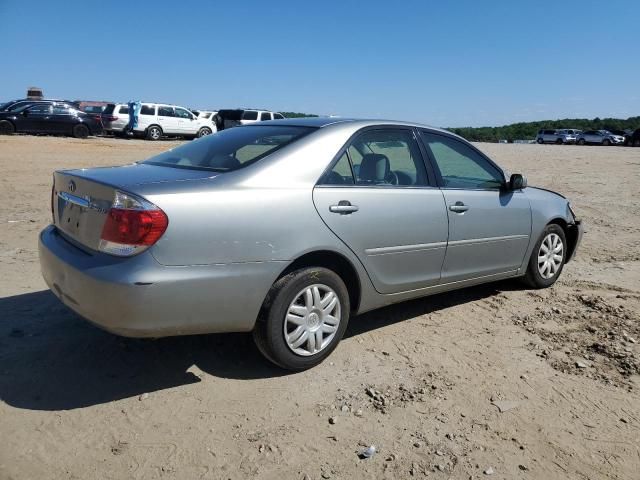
(550, 255)
(312, 320)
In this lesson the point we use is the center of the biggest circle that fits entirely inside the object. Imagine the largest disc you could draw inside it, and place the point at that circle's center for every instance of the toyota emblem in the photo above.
(72, 186)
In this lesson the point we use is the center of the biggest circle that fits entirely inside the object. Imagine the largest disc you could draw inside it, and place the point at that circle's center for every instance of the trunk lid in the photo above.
(82, 198)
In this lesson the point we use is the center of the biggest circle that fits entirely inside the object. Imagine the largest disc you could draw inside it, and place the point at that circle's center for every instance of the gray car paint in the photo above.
(231, 235)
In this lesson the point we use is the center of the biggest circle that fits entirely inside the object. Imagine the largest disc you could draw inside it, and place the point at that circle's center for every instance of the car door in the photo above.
(62, 119)
(168, 120)
(378, 199)
(489, 227)
(34, 119)
(186, 121)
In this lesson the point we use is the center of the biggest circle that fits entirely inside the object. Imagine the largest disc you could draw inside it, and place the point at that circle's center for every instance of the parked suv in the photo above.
(228, 118)
(600, 137)
(555, 136)
(157, 120)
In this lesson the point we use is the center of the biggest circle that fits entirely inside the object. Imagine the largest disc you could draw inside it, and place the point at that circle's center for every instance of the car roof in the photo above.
(320, 122)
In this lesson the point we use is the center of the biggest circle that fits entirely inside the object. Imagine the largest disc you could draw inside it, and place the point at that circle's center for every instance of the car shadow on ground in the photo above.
(51, 359)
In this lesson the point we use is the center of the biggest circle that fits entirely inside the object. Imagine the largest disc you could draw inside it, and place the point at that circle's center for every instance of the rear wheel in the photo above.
(581, 141)
(303, 318)
(548, 258)
(606, 142)
(203, 132)
(6, 127)
(154, 132)
(80, 131)
(540, 141)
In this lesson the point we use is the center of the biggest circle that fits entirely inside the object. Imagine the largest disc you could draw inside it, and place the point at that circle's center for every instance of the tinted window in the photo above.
(61, 110)
(166, 112)
(278, 116)
(460, 165)
(147, 110)
(124, 110)
(387, 157)
(230, 149)
(108, 110)
(265, 116)
(250, 115)
(340, 174)
(40, 109)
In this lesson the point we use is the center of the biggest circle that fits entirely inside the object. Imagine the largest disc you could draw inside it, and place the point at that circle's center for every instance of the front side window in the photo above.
(387, 157)
(460, 165)
(278, 116)
(182, 113)
(265, 116)
(230, 149)
(250, 115)
(40, 109)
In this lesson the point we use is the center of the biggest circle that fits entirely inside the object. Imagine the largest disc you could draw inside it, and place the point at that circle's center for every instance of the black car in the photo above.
(634, 138)
(51, 118)
(14, 105)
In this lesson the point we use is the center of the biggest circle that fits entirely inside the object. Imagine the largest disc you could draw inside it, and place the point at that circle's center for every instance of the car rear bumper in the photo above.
(138, 297)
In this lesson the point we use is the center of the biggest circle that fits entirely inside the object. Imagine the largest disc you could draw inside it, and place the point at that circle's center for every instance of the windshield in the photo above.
(230, 149)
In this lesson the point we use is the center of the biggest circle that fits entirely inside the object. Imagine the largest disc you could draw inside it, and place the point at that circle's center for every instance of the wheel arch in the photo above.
(336, 262)
(570, 233)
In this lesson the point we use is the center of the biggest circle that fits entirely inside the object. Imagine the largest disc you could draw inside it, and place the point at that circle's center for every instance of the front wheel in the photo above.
(540, 141)
(606, 142)
(581, 141)
(559, 141)
(203, 132)
(548, 258)
(303, 318)
(6, 128)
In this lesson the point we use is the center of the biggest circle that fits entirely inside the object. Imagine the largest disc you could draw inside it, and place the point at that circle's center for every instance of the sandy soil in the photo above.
(524, 384)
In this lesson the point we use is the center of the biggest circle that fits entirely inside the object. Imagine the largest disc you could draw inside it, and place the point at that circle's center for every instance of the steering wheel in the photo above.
(392, 178)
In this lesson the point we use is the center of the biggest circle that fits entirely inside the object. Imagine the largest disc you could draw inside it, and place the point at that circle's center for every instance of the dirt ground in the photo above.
(494, 381)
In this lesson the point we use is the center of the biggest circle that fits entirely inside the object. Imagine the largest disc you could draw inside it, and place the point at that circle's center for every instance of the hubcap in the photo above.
(312, 320)
(155, 133)
(550, 255)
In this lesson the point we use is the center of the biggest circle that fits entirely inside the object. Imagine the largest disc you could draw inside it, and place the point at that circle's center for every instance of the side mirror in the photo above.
(517, 182)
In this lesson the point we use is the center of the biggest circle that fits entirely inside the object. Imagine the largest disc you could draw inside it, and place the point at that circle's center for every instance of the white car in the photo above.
(157, 120)
(252, 116)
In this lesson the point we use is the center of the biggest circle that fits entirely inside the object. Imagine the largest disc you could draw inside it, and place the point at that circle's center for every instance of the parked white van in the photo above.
(157, 120)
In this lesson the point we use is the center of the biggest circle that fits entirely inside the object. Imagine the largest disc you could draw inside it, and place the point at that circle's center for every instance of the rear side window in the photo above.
(61, 110)
(340, 174)
(231, 149)
(124, 110)
(166, 112)
(250, 115)
(147, 110)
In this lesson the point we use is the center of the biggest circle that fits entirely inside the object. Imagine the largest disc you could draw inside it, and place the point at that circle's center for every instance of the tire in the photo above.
(559, 141)
(287, 300)
(81, 131)
(636, 143)
(154, 132)
(6, 127)
(203, 132)
(540, 141)
(606, 143)
(581, 141)
(538, 275)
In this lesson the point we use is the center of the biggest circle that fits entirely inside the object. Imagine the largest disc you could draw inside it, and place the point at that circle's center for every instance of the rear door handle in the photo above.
(458, 207)
(344, 207)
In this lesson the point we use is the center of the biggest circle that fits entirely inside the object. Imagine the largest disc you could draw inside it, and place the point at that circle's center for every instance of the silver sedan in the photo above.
(288, 228)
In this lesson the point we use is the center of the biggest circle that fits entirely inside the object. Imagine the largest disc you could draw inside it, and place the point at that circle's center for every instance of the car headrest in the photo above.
(374, 167)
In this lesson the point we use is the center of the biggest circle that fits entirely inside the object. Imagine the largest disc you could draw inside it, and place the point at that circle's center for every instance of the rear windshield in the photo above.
(230, 149)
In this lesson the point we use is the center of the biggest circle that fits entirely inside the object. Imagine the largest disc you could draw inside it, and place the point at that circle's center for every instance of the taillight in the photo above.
(132, 225)
(110, 118)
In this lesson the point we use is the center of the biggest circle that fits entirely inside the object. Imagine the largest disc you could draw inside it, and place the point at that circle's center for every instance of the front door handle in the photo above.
(344, 207)
(458, 207)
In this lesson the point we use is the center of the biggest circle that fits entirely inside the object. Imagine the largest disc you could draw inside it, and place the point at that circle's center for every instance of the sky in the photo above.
(445, 63)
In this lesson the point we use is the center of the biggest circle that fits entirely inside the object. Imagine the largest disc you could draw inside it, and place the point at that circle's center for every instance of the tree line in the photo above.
(528, 130)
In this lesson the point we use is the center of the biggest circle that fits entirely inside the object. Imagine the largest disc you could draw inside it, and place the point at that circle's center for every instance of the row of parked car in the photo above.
(155, 120)
(589, 137)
